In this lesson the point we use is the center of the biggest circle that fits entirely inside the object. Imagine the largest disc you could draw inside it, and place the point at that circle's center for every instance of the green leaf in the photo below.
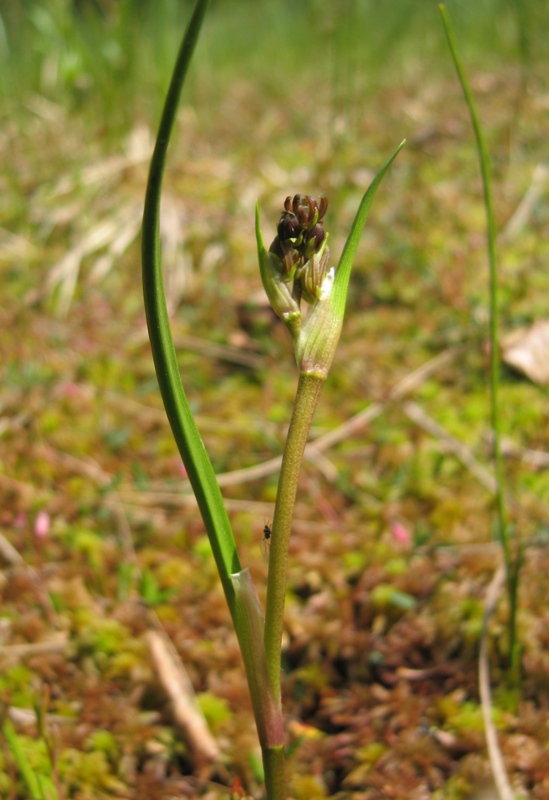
(23, 765)
(195, 458)
(343, 272)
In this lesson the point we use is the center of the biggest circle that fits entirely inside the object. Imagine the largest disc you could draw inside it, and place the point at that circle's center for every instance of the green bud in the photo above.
(312, 274)
(317, 341)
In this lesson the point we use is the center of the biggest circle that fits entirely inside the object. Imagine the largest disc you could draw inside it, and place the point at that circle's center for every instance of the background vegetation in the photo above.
(392, 548)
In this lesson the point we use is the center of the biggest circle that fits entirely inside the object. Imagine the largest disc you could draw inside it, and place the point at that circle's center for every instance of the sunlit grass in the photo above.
(113, 63)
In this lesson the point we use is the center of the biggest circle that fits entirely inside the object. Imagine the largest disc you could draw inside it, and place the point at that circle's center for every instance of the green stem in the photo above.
(274, 763)
(492, 258)
(512, 564)
(308, 393)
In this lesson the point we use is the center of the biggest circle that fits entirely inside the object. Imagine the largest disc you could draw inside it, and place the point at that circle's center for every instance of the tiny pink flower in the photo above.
(401, 534)
(42, 525)
(70, 389)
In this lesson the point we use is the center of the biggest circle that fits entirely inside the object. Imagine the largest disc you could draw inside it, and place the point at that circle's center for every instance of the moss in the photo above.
(307, 787)
(215, 709)
(19, 685)
(87, 773)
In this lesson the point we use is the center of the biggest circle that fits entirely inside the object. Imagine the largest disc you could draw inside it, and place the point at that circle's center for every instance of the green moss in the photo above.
(370, 753)
(312, 677)
(307, 787)
(99, 635)
(215, 709)
(458, 787)
(203, 550)
(384, 595)
(129, 664)
(396, 566)
(51, 421)
(87, 772)
(353, 560)
(465, 716)
(150, 590)
(174, 572)
(91, 546)
(104, 742)
(18, 684)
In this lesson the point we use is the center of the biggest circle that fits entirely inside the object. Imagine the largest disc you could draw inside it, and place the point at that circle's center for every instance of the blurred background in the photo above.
(393, 547)
(115, 57)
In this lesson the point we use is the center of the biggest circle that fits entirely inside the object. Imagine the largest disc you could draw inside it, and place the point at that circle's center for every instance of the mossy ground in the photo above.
(392, 550)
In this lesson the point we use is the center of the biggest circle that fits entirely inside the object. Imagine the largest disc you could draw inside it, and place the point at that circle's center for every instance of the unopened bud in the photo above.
(317, 341)
(275, 281)
(311, 277)
(314, 240)
(289, 227)
(288, 258)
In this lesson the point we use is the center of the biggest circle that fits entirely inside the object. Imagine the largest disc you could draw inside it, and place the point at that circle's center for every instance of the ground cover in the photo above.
(392, 552)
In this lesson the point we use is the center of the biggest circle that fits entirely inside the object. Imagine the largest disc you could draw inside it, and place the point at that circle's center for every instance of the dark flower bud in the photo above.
(300, 236)
(303, 218)
(313, 240)
(287, 257)
(288, 228)
(295, 203)
(322, 208)
(289, 260)
(312, 211)
(305, 211)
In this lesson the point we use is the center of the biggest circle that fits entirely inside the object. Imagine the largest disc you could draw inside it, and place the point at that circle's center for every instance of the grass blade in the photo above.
(512, 566)
(187, 437)
(23, 765)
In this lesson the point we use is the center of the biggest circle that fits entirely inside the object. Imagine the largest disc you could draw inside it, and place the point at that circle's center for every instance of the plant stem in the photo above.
(274, 764)
(307, 395)
(512, 564)
(239, 590)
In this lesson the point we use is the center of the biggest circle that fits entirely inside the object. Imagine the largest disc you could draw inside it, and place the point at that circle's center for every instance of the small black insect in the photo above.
(267, 533)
